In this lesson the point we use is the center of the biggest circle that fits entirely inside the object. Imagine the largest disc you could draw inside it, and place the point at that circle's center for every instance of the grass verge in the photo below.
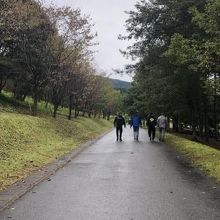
(202, 156)
(27, 143)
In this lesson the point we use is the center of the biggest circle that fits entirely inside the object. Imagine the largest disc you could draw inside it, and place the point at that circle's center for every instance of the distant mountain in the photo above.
(120, 84)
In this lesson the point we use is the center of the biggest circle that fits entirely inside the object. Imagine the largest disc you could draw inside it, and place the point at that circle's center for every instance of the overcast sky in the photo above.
(109, 19)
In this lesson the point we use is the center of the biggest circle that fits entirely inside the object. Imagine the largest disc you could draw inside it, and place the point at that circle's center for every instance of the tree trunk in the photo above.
(100, 114)
(176, 123)
(55, 108)
(200, 123)
(24, 97)
(76, 114)
(206, 119)
(70, 107)
(95, 114)
(194, 122)
(109, 115)
(104, 114)
(35, 93)
(215, 110)
(89, 114)
(2, 84)
(194, 127)
(35, 105)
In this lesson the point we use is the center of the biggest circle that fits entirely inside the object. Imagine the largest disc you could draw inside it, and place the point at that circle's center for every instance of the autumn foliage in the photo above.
(45, 53)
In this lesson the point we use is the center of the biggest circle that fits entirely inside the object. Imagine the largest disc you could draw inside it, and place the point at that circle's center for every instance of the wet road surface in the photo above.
(121, 181)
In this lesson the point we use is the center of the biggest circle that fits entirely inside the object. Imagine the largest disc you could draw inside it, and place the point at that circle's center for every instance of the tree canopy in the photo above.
(45, 53)
(177, 69)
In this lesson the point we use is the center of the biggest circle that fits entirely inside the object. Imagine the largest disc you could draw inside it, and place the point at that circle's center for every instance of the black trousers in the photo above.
(151, 132)
(119, 131)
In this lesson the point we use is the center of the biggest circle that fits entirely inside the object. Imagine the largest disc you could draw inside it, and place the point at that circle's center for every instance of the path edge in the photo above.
(20, 188)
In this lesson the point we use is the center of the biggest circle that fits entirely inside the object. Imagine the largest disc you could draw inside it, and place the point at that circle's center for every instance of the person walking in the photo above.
(118, 124)
(162, 124)
(136, 123)
(151, 123)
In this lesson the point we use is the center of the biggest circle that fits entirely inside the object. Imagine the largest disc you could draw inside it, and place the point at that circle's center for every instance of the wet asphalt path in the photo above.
(121, 181)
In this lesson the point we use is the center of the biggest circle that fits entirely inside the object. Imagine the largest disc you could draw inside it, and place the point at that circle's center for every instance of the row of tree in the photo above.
(178, 70)
(45, 53)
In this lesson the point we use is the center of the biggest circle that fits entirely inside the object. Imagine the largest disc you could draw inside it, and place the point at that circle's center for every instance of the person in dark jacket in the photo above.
(151, 123)
(118, 123)
(136, 123)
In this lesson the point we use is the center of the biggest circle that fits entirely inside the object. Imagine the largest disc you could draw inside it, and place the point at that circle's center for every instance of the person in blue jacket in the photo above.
(136, 123)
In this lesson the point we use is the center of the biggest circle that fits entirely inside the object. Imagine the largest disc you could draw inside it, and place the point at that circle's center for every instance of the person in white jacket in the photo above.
(162, 124)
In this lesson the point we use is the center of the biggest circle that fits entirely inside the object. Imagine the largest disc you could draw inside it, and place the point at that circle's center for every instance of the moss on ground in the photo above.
(27, 143)
(202, 156)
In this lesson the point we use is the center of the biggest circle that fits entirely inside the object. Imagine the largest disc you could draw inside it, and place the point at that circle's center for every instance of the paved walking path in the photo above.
(121, 181)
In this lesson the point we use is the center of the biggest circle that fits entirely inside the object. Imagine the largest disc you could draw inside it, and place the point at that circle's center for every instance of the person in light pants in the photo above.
(162, 124)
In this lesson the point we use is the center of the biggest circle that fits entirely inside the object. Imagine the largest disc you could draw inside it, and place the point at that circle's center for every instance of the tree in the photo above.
(7, 35)
(200, 53)
(71, 50)
(160, 84)
(30, 45)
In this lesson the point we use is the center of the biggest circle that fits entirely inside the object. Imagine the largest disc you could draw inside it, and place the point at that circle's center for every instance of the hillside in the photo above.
(27, 143)
(120, 84)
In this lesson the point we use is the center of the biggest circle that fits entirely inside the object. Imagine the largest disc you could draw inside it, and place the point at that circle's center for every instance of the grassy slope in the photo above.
(202, 156)
(27, 142)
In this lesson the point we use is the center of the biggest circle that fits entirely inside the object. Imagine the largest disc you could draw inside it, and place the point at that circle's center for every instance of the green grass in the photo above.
(9, 104)
(202, 156)
(27, 143)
